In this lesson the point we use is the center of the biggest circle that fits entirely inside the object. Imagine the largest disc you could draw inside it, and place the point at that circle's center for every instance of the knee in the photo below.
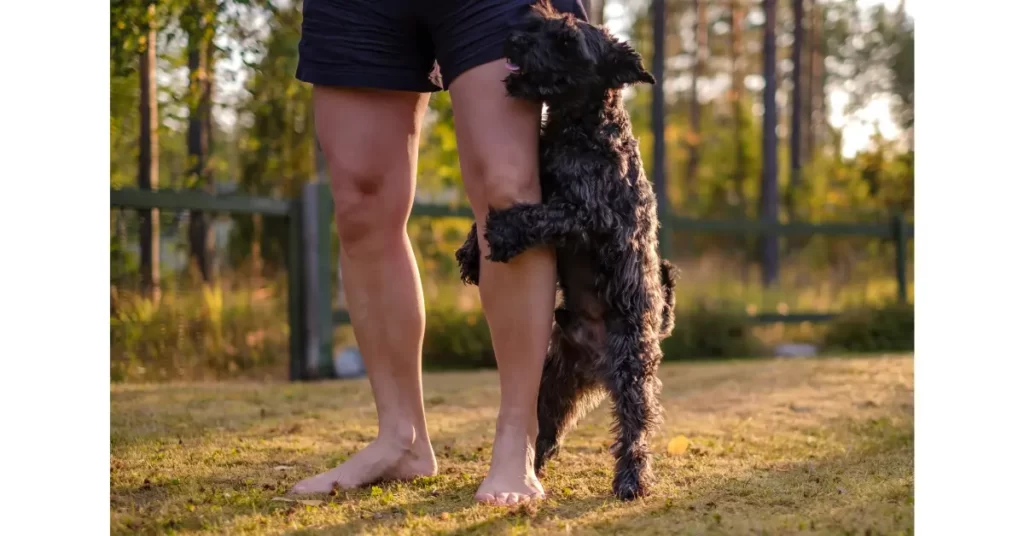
(370, 204)
(502, 184)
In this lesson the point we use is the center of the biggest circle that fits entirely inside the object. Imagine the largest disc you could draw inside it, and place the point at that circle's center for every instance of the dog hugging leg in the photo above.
(522, 226)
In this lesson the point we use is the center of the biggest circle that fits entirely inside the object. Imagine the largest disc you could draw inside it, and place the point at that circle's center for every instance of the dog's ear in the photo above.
(566, 33)
(544, 8)
(623, 66)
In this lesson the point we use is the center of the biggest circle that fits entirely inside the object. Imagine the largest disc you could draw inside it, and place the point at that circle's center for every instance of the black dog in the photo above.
(599, 212)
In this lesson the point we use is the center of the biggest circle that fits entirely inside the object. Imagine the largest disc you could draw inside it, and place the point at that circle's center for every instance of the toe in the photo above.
(503, 498)
(485, 498)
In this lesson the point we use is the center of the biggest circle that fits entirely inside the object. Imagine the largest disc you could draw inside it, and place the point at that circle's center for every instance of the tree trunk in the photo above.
(738, 16)
(149, 160)
(199, 122)
(815, 78)
(693, 140)
(769, 153)
(795, 139)
(658, 118)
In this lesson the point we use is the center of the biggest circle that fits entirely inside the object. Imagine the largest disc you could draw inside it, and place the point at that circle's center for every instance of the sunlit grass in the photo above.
(776, 447)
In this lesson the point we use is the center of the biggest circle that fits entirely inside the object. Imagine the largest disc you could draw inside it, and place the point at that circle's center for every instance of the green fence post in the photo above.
(296, 305)
(899, 234)
(324, 300)
(317, 287)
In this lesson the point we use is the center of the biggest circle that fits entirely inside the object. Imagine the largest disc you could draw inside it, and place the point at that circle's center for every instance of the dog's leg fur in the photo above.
(668, 286)
(468, 257)
(635, 390)
(568, 390)
(522, 226)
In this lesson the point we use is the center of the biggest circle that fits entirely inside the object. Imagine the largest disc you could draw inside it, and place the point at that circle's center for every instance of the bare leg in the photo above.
(497, 139)
(370, 139)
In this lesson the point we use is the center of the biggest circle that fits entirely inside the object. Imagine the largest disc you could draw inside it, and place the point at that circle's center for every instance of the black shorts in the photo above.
(393, 44)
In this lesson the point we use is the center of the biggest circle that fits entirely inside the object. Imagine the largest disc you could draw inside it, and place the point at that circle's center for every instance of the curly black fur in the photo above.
(600, 214)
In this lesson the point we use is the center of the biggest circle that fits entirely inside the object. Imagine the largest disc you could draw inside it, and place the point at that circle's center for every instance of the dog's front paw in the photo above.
(503, 247)
(468, 258)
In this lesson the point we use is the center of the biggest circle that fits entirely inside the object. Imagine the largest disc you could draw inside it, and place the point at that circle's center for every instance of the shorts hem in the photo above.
(365, 80)
(487, 55)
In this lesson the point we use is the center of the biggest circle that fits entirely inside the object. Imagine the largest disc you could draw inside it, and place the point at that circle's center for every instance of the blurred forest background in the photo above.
(203, 96)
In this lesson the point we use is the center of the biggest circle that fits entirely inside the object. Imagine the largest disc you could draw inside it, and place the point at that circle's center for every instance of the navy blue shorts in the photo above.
(393, 44)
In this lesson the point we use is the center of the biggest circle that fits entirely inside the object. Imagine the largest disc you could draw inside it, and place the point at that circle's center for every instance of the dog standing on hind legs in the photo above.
(600, 214)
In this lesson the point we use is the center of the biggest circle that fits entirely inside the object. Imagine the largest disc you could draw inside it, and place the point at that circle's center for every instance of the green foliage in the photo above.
(438, 167)
(238, 331)
(457, 340)
(124, 263)
(871, 186)
(461, 339)
(705, 332)
(199, 334)
(883, 329)
(434, 242)
(277, 146)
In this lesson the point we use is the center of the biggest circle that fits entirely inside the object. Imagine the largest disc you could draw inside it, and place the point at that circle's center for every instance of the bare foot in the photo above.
(511, 479)
(384, 459)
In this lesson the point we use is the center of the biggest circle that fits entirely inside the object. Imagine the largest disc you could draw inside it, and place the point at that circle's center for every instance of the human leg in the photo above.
(372, 170)
(370, 62)
(500, 168)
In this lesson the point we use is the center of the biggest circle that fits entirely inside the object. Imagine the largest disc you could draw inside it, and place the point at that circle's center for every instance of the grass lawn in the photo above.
(775, 447)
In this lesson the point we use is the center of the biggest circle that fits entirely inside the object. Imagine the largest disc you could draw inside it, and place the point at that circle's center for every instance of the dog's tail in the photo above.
(668, 286)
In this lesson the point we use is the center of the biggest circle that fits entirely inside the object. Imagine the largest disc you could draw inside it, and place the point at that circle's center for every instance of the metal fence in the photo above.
(312, 285)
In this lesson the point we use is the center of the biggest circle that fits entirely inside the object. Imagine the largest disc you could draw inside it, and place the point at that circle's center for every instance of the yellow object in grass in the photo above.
(678, 445)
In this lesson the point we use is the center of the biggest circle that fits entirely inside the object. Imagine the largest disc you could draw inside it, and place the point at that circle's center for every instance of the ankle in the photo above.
(517, 419)
(405, 436)
(398, 434)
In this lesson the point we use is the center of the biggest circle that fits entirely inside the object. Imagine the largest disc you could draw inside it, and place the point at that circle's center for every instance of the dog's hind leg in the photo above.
(568, 390)
(668, 288)
(631, 377)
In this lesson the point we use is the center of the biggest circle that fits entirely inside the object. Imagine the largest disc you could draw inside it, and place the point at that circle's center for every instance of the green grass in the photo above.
(776, 447)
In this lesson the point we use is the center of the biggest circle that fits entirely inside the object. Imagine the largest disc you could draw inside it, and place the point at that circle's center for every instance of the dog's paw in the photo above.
(546, 449)
(632, 486)
(468, 259)
(502, 249)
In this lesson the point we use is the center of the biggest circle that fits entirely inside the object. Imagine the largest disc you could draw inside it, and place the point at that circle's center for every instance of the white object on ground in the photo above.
(348, 363)
(796, 350)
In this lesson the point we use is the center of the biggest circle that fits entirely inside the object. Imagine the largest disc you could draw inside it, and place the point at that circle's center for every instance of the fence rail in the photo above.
(311, 319)
(174, 200)
(876, 230)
